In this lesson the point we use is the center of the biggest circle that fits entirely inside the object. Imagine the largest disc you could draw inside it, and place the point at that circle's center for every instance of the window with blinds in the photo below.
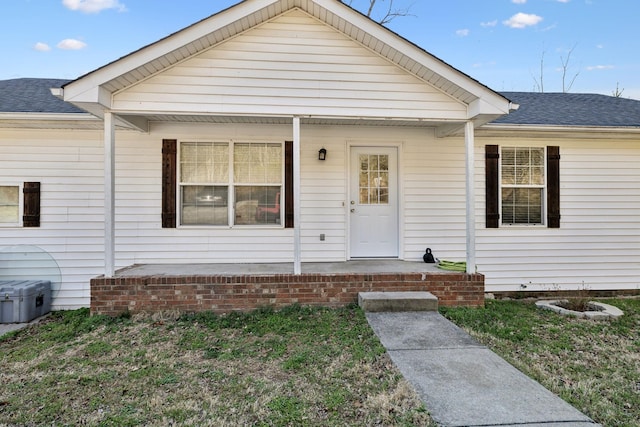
(523, 185)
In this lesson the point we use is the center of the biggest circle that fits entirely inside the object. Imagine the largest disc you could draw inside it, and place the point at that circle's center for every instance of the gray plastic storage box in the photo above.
(23, 300)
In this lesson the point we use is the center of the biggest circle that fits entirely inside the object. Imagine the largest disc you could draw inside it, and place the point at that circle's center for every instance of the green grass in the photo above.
(298, 367)
(593, 365)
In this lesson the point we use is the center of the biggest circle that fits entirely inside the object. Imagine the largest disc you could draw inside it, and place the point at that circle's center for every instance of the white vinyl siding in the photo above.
(597, 246)
(69, 165)
(291, 65)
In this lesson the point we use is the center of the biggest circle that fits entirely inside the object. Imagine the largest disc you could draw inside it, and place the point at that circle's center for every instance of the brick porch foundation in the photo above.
(226, 293)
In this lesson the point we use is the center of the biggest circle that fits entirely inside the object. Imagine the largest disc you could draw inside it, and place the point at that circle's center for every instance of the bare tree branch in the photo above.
(618, 92)
(539, 84)
(565, 68)
(390, 14)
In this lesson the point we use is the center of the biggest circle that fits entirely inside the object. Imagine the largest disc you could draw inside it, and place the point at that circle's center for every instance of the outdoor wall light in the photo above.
(322, 154)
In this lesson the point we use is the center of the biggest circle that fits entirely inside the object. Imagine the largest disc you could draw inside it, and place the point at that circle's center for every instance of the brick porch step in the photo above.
(373, 302)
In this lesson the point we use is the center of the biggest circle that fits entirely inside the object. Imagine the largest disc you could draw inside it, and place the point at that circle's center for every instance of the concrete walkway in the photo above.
(5, 328)
(463, 383)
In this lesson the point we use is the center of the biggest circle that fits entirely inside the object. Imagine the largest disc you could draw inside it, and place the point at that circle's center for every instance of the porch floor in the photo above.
(346, 267)
(239, 287)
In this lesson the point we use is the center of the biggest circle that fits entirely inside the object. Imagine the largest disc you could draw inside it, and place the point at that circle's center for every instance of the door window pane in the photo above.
(374, 179)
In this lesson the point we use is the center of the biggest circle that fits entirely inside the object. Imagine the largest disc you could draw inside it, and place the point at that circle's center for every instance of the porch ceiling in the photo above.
(326, 121)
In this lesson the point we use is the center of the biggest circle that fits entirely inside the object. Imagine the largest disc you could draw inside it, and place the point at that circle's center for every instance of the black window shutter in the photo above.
(288, 184)
(492, 156)
(31, 208)
(553, 187)
(169, 170)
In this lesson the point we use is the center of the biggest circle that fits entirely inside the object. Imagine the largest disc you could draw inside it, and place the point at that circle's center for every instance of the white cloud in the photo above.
(93, 6)
(42, 47)
(522, 20)
(462, 33)
(519, 1)
(599, 46)
(564, 1)
(484, 64)
(71, 44)
(600, 67)
(489, 23)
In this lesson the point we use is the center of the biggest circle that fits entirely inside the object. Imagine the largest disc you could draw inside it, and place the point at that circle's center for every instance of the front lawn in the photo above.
(593, 365)
(294, 367)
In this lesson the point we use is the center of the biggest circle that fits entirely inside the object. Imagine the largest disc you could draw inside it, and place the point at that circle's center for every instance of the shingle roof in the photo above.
(33, 96)
(552, 109)
(572, 109)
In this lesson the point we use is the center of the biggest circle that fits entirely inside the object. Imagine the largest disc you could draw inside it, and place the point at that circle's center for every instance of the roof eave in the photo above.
(560, 128)
(48, 116)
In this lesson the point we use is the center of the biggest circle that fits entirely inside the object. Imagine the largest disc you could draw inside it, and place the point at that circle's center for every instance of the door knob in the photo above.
(353, 210)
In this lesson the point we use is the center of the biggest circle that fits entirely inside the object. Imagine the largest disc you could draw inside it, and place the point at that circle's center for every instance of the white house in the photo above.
(205, 147)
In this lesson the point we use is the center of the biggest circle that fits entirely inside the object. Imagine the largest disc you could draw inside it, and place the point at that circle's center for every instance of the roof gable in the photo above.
(293, 64)
(93, 91)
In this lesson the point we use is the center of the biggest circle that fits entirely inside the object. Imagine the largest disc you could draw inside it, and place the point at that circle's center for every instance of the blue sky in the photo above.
(501, 43)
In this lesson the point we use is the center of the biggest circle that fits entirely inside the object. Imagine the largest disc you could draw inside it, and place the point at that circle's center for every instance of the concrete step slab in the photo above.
(375, 302)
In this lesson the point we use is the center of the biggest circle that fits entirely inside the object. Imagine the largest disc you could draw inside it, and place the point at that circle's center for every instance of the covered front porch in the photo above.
(223, 288)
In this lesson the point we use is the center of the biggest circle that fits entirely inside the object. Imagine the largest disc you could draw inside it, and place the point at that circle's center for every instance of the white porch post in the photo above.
(109, 194)
(469, 140)
(297, 246)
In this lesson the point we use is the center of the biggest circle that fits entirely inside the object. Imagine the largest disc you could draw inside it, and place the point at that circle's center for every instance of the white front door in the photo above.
(373, 203)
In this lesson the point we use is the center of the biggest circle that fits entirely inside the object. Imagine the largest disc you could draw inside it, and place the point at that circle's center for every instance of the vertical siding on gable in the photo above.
(291, 65)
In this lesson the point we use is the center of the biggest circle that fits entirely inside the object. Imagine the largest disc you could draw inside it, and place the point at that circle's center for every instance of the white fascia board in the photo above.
(84, 88)
(411, 50)
(48, 116)
(482, 106)
(497, 129)
(557, 128)
(80, 94)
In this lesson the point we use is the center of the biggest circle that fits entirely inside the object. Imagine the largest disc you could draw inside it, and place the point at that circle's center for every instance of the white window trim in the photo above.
(19, 223)
(545, 187)
(230, 185)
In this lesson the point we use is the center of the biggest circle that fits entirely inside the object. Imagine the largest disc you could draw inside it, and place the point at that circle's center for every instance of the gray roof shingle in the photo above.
(33, 96)
(571, 109)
